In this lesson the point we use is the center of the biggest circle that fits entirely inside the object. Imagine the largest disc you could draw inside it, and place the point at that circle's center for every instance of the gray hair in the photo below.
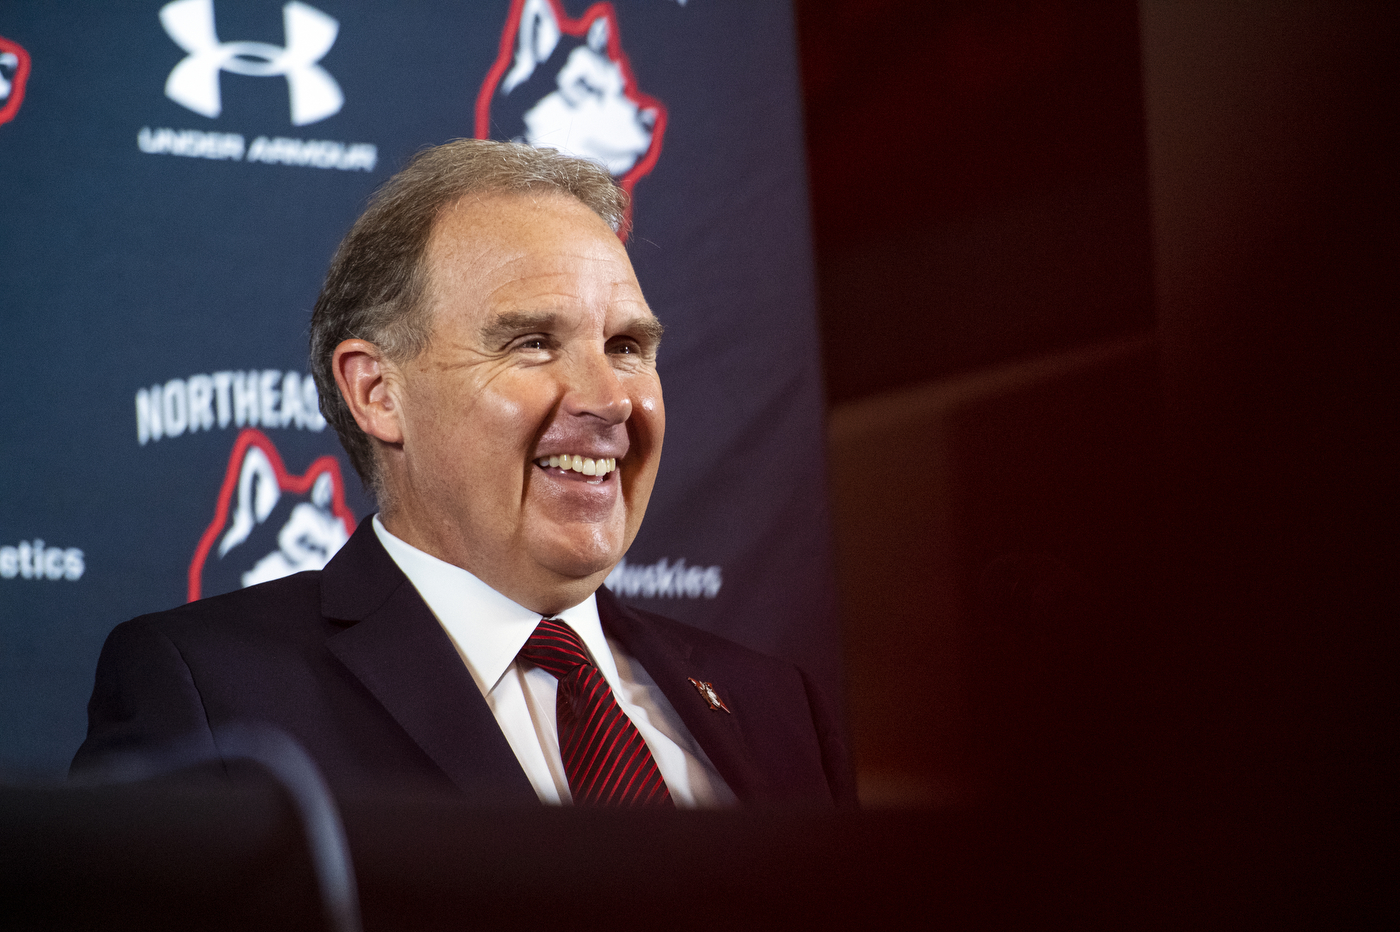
(376, 285)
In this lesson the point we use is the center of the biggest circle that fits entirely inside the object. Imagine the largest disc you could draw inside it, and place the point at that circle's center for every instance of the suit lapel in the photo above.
(398, 651)
(671, 661)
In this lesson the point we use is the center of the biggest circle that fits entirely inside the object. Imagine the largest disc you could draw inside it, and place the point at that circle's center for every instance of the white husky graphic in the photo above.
(566, 84)
(267, 523)
(588, 113)
(309, 538)
(9, 66)
(14, 71)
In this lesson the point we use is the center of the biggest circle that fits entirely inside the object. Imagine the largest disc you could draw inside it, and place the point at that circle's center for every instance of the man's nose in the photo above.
(593, 389)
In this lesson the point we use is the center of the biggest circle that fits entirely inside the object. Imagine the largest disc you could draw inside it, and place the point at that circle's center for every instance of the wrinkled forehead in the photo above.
(486, 250)
(534, 216)
(482, 227)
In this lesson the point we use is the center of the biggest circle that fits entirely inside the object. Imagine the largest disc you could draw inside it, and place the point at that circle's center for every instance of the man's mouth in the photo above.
(596, 469)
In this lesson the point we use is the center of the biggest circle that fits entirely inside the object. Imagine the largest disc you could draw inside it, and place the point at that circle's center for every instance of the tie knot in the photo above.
(555, 647)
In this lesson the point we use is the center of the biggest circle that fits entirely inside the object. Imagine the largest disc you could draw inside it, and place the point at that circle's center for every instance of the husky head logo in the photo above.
(14, 71)
(566, 84)
(269, 524)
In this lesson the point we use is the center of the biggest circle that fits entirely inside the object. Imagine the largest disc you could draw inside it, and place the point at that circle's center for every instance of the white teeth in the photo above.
(580, 464)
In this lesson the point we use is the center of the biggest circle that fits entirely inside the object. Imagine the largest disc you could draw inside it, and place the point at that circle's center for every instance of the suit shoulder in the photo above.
(699, 643)
(275, 601)
(701, 637)
(777, 706)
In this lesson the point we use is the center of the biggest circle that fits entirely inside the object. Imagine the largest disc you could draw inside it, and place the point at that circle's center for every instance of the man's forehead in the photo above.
(505, 266)
(515, 237)
(488, 216)
(569, 288)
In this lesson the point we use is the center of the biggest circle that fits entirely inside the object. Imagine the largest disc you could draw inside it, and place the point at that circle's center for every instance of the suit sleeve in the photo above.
(144, 697)
(836, 757)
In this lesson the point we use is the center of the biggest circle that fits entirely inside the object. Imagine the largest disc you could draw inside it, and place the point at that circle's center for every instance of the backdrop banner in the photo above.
(175, 179)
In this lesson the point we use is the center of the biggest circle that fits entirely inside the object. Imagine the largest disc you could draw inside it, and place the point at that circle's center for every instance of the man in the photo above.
(484, 350)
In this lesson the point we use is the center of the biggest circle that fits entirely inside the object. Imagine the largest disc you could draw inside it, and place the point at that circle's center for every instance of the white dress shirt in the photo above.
(488, 631)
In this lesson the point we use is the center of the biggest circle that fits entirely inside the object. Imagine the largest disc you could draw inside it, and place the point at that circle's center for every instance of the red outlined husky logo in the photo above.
(566, 84)
(267, 523)
(14, 71)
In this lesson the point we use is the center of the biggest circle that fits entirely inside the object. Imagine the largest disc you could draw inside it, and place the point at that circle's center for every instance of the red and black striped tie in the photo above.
(605, 758)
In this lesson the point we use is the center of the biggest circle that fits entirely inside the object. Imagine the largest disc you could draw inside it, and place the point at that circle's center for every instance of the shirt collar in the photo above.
(487, 628)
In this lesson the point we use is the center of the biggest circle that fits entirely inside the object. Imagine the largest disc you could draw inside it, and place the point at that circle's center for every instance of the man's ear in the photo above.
(364, 376)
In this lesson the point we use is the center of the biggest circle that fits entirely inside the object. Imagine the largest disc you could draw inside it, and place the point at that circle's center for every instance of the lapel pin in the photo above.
(707, 692)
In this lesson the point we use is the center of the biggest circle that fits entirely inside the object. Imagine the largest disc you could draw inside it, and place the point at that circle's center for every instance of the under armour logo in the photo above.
(194, 82)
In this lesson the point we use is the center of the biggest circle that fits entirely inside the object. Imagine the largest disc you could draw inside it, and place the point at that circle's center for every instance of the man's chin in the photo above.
(580, 561)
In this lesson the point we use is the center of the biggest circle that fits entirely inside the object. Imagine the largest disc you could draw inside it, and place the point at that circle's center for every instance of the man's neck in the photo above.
(537, 588)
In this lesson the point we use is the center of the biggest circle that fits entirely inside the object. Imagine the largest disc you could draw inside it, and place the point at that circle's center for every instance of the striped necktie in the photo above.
(605, 758)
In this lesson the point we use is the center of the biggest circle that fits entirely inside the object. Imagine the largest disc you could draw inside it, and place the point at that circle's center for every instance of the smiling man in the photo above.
(542, 347)
(486, 354)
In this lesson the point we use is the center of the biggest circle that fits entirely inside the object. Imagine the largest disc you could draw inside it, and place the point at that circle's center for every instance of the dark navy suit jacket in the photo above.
(350, 662)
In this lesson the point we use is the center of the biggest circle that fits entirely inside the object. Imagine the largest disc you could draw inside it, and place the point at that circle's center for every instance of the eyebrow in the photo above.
(510, 324)
(646, 329)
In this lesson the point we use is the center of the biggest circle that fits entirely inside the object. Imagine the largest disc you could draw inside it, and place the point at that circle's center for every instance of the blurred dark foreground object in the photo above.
(138, 845)
(194, 853)
(182, 852)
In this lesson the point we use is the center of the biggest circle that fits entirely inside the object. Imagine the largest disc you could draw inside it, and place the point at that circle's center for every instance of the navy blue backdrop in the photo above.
(175, 178)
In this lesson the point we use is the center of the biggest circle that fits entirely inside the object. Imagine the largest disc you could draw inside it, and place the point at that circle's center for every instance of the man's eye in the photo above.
(534, 343)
